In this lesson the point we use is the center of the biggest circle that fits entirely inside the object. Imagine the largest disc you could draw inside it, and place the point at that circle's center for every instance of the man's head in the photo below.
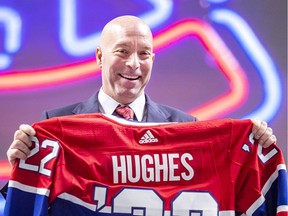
(126, 58)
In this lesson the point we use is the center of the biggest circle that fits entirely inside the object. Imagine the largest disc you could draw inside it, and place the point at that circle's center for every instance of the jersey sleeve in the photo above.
(272, 178)
(31, 179)
(261, 183)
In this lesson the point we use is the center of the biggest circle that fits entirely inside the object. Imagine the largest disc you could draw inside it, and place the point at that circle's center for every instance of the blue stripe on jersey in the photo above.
(62, 207)
(274, 196)
(29, 203)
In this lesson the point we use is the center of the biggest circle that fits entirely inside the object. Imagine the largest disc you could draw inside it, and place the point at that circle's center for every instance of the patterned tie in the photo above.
(125, 112)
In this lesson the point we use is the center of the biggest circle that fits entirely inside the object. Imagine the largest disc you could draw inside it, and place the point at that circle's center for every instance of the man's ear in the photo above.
(99, 56)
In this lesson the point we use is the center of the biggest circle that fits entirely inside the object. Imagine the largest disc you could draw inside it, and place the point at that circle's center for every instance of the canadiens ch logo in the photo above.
(148, 137)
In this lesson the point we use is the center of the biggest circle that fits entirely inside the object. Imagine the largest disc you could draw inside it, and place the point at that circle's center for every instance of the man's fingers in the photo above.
(265, 136)
(271, 140)
(17, 151)
(256, 126)
(27, 129)
(259, 128)
(19, 145)
(22, 137)
(263, 133)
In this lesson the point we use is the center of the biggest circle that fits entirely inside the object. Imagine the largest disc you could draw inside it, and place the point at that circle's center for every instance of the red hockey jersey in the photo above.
(93, 164)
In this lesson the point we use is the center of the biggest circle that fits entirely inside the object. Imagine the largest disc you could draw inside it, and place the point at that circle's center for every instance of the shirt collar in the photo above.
(108, 104)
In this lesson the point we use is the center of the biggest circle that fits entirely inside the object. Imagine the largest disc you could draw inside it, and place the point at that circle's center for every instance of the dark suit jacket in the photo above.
(155, 113)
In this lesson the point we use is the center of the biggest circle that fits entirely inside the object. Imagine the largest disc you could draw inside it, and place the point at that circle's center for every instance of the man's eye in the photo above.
(145, 53)
(122, 51)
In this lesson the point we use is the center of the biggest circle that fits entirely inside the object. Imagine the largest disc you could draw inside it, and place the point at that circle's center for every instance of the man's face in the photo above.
(126, 58)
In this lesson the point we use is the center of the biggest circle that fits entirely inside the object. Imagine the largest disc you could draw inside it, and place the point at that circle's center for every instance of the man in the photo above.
(126, 57)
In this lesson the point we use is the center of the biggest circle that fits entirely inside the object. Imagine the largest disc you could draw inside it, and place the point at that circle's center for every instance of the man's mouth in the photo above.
(129, 77)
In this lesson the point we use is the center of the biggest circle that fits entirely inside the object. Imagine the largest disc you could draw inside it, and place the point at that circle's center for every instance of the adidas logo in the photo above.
(148, 138)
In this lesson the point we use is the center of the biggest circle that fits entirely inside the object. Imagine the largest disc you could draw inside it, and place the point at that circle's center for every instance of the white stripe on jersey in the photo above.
(265, 189)
(282, 208)
(76, 200)
(30, 189)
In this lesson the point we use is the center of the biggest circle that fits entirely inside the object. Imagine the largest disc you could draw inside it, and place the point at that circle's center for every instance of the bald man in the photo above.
(125, 57)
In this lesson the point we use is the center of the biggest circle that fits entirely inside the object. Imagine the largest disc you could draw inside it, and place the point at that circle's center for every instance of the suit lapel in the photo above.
(154, 112)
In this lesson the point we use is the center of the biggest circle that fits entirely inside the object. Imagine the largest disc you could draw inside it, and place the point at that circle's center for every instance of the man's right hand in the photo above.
(19, 149)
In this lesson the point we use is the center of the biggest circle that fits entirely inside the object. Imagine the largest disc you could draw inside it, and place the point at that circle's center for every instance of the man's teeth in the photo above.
(129, 77)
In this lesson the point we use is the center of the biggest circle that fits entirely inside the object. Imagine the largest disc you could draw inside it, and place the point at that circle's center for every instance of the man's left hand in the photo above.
(263, 133)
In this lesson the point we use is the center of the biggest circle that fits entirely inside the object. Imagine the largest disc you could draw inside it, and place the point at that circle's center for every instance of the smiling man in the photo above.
(126, 58)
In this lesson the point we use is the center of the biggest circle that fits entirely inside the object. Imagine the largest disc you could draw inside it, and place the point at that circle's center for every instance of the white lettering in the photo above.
(161, 167)
(147, 173)
(186, 165)
(119, 169)
(152, 168)
(173, 167)
(131, 168)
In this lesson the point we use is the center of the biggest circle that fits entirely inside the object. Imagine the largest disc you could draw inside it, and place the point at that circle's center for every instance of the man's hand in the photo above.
(263, 133)
(21, 143)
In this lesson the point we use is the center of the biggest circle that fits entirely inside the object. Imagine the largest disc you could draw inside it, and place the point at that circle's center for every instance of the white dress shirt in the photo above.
(108, 105)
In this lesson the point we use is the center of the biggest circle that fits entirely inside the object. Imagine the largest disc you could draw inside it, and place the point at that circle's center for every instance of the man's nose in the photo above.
(133, 61)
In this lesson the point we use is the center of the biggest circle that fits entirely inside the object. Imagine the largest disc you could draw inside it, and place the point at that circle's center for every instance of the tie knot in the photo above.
(125, 112)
